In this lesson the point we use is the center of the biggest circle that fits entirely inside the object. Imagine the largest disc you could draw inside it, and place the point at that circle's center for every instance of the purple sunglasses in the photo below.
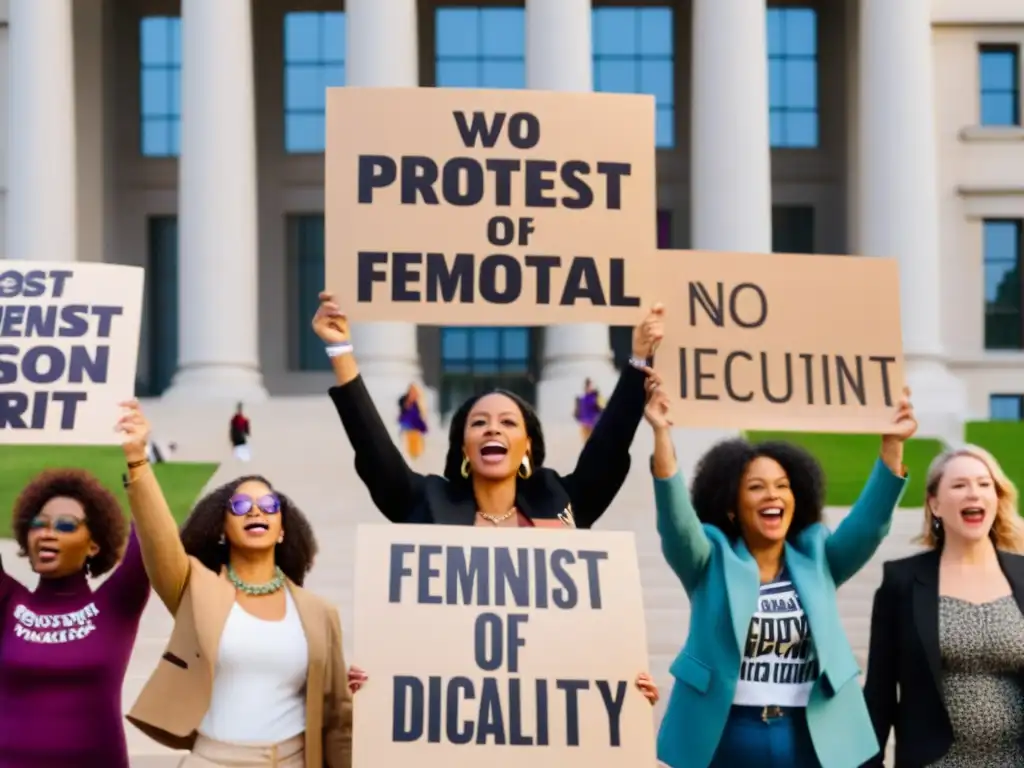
(240, 504)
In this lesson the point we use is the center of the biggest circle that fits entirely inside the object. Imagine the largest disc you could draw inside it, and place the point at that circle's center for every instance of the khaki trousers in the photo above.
(208, 753)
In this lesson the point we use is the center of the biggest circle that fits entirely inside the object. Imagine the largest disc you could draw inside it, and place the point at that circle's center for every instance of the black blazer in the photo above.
(904, 652)
(405, 496)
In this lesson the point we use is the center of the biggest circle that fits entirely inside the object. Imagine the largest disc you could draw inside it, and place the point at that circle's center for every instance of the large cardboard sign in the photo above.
(510, 648)
(459, 206)
(783, 341)
(69, 339)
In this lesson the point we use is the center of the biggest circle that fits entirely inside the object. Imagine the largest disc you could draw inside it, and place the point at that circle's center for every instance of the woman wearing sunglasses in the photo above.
(253, 673)
(64, 648)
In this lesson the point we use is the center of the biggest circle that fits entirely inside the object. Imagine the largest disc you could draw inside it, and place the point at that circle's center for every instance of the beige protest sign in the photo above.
(510, 648)
(782, 341)
(69, 339)
(458, 206)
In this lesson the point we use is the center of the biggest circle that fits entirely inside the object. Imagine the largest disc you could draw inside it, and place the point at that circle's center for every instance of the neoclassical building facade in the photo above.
(186, 136)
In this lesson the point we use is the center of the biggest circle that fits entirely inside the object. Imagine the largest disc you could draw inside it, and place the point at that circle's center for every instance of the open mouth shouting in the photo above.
(256, 528)
(973, 515)
(47, 553)
(493, 452)
(771, 516)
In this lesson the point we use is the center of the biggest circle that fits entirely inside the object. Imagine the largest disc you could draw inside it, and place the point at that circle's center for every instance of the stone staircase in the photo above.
(298, 443)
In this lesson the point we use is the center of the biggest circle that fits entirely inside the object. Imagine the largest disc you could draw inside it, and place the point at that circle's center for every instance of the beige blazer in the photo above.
(177, 696)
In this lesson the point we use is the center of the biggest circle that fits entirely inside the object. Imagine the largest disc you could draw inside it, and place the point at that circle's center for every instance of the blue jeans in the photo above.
(781, 742)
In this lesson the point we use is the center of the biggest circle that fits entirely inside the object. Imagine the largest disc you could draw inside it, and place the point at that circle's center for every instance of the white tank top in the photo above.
(259, 686)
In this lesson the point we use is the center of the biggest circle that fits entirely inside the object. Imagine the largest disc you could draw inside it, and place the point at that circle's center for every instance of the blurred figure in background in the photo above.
(239, 431)
(588, 409)
(410, 421)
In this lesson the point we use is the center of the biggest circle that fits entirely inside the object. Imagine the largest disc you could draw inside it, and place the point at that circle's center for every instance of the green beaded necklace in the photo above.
(257, 590)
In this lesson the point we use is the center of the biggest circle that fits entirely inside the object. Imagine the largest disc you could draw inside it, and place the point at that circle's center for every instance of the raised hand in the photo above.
(648, 335)
(906, 426)
(135, 427)
(329, 322)
(657, 408)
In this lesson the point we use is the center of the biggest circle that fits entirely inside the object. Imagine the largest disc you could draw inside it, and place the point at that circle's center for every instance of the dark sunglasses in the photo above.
(59, 524)
(240, 504)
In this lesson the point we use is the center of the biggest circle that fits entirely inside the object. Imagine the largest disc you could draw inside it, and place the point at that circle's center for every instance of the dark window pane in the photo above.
(656, 31)
(999, 109)
(304, 133)
(502, 33)
(314, 54)
(1002, 284)
(615, 32)
(792, 229)
(998, 71)
(457, 32)
(1005, 407)
(159, 85)
(793, 77)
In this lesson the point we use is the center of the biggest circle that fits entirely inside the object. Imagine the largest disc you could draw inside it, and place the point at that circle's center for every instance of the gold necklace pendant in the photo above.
(497, 519)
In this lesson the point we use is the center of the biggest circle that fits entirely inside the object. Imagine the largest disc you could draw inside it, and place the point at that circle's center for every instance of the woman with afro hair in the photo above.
(253, 673)
(767, 676)
(65, 647)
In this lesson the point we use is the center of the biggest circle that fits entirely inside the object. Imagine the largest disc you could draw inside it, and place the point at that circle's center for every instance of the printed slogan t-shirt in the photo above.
(64, 651)
(779, 667)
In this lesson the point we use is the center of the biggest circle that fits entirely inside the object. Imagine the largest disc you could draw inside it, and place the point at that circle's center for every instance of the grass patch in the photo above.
(1004, 440)
(181, 482)
(847, 460)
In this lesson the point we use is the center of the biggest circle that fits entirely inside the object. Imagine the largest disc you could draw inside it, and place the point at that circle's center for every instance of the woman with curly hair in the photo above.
(767, 676)
(65, 647)
(946, 660)
(253, 673)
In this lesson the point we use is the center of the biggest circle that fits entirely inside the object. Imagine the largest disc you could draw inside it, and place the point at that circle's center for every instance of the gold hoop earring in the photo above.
(464, 470)
(525, 470)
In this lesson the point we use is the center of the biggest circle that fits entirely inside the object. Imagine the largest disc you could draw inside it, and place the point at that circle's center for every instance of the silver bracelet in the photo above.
(336, 350)
(640, 363)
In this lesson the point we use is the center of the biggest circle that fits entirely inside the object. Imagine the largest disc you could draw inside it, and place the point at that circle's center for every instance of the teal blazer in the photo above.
(722, 581)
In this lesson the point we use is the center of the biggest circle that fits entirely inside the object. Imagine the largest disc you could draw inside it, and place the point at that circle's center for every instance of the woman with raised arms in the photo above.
(767, 676)
(253, 673)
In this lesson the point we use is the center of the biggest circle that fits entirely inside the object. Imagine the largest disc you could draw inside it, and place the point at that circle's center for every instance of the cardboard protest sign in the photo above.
(500, 647)
(459, 207)
(782, 341)
(69, 339)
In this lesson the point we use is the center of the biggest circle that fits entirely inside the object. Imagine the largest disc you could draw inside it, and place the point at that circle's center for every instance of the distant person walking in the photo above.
(588, 409)
(240, 435)
(410, 421)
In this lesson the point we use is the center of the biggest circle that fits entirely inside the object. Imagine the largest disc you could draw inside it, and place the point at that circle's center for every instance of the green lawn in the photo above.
(181, 482)
(847, 460)
(1005, 441)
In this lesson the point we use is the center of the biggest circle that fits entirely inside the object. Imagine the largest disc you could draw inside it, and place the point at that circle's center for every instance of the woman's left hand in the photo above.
(356, 678)
(647, 687)
(905, 426)
(649, 333)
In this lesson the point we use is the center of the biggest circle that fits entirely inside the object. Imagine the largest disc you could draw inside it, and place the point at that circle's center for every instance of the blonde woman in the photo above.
(946, 661)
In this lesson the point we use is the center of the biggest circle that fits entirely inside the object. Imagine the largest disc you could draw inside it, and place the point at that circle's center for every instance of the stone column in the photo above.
(218, 262)
(559, 58)
(383, 52)
(42, 179)
(730, 188)
(898, 195)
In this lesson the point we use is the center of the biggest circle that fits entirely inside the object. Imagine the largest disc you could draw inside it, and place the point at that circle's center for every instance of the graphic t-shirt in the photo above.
(779, 667)
(64, 651)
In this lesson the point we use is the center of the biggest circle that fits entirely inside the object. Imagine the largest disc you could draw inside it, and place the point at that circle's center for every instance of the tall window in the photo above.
(1004, 322)
(476, 360)
(160, 85)
(162, 298)
(480, 48)
(1006, 407)
(792, 229)
(793, 77)
(999, 69)
(306, 259)
(314, 60)
(633, 53)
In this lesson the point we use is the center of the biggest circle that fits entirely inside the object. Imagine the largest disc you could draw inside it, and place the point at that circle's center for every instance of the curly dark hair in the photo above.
(201, 532)
(103, 514)
(716, 482)
(457, 430)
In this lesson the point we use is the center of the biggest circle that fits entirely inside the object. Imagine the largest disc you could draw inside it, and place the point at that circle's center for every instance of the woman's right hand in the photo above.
(134, 425)
(356, 678)
(657, 409)
(329, 322)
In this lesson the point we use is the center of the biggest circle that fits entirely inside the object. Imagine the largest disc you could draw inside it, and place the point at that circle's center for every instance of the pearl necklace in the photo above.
(497, 519)
(257, 590)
